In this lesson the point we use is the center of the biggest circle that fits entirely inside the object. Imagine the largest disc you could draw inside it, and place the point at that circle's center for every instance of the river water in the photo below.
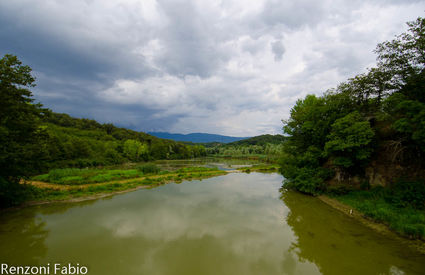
(233, 224)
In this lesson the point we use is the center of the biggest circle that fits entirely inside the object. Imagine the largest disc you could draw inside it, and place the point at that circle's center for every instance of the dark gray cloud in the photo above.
(229, 67)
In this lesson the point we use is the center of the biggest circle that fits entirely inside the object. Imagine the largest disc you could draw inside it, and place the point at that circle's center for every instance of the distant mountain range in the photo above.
(196, 137)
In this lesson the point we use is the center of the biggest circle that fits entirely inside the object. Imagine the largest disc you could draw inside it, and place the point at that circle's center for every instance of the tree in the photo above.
(20, 134)
(19, 120)
(349, 141)
(404, 57)
(134, 150)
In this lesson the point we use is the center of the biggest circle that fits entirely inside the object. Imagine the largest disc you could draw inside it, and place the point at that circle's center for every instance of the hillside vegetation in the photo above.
(368, 131)
(266, 147)
(83, 142)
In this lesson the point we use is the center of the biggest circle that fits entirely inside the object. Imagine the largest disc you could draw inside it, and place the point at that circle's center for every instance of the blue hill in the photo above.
(196, 137)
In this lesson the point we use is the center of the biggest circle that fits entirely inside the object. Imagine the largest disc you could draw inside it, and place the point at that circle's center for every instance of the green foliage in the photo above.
(337, 190)
(308, 180)
(400, 206)
(74, 176)
(260, 168)
(20, 133)
(267, 147)
(56, 174)
(21, 137)
(11, 193)
(148, 168)
(196, 169)
(135, 150)
(83, 143)
(403, 58)
(406, 194)
(409, 118)
(349, 140)
(261, 140)
(308, 128)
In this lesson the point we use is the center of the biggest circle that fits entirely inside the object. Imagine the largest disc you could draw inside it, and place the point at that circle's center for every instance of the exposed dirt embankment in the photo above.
(379, 227)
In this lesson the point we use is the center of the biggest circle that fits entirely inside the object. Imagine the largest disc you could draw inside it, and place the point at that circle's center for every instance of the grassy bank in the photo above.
(71, 184)
(259, 157)
(75, 176)
(402, 211)
(260, 168)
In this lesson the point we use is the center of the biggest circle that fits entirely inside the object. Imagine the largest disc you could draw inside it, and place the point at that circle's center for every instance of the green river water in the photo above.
(233, 224)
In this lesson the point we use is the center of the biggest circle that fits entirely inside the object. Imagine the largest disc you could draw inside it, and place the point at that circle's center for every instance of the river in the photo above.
(233, 224)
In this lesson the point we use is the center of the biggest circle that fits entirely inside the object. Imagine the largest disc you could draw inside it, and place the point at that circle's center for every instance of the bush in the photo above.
(338, 189)
(13, 193)
(148, 168)
(407, 194)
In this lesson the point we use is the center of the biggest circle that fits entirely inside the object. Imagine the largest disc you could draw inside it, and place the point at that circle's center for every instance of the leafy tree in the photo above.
(20, 130)
(408, 120)
(20, 134)
(349, 141)
(135, 150)
(404, 57)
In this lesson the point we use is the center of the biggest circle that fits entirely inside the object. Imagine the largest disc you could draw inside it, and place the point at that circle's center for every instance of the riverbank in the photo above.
(264, 168)
(418, 245)
(47, 192)
(75, 185)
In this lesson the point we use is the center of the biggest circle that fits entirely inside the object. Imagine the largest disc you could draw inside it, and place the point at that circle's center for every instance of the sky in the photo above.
(231, 67)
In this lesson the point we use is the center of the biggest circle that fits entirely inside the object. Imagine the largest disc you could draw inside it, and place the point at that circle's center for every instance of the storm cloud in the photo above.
(225, 67)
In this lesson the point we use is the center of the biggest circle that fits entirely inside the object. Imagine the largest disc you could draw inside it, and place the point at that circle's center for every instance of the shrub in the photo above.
(338, 189)
(148, 168)
(407, 194)
(12, 193)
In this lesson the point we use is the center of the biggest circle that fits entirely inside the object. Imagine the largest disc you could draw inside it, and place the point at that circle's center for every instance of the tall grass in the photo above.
(148, 168)
(402, 209)
(74, 176)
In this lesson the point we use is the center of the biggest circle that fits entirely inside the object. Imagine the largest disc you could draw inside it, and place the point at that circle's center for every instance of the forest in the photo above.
(365, 139)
